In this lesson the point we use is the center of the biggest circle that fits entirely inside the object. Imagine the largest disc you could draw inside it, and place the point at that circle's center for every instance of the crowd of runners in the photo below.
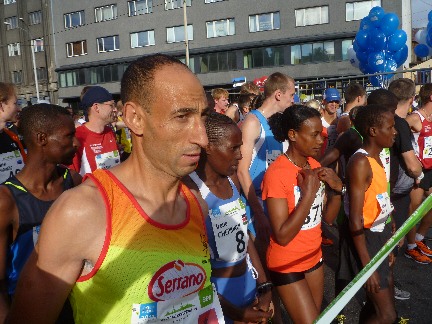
(179, 206)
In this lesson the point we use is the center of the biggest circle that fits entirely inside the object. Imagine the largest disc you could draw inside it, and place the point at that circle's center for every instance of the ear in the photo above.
(133, 117)
(292, 135)
(372, 131)
(277, 94)
(41, 139)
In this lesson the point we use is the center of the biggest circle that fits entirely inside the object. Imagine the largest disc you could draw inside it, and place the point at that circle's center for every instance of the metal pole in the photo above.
(186, 32)
(32, 48)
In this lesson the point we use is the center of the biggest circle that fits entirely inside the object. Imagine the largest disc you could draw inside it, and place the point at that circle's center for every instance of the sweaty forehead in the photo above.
(178, 83)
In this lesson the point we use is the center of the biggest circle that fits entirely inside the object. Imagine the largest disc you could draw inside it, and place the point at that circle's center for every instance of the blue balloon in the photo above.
(397, 40)
(377, 81)
(390, 65)
(362, 39)
(401, 55)
(375, 15)
(365, 23)
(376, 62)
(421, 50)
(362, 56)
(377, 40)
(429, 40)
(364, 68)
(389, 23)
(356, 47)
(430, 15)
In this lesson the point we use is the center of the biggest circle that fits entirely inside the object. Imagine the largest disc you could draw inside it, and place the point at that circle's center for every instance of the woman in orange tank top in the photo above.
(293, 189)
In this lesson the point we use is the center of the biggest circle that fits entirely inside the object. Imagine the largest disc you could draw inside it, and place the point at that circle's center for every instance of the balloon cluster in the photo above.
(424, 39)
(379, 45)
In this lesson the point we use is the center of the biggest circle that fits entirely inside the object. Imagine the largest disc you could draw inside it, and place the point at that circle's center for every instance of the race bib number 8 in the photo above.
(229, 223)
(315, 213)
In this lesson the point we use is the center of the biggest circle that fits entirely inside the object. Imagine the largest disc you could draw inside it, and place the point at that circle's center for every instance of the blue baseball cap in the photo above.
(95, 94)
(331, 94)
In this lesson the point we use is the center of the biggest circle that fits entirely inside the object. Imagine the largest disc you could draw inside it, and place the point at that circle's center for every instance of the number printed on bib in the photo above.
(10, 164)
(315, 213)
(272, 155)
(107, 160)
(229, 223)
(386, 208)
(427, 151)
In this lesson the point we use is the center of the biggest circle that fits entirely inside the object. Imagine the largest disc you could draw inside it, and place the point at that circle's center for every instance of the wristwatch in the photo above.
(264, 287)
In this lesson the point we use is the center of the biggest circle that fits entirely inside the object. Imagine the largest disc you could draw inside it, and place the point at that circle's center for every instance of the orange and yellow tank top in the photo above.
(377, 206)
(146, 271)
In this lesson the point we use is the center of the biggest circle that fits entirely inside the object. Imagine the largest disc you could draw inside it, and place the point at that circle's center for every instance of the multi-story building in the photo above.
(94, 41)
(26, 27)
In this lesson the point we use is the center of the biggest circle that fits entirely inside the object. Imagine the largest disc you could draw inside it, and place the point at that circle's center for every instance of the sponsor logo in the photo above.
(176, 279)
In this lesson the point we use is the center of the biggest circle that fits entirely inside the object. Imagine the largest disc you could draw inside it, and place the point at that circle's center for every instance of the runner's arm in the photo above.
(250, 131)
(68, 236)
(7, 207)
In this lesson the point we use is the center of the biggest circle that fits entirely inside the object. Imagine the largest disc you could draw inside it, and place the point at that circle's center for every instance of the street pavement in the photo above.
(411, 276)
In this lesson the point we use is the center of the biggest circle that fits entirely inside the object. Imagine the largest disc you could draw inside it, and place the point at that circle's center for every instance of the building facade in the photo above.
(26, 26)
(94, 41)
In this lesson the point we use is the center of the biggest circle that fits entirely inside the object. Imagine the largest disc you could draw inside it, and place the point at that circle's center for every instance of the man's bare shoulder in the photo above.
(78, 204)
(251, 127)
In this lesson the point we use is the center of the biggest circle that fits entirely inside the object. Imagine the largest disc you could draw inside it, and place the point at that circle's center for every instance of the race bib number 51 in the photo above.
(315, 213)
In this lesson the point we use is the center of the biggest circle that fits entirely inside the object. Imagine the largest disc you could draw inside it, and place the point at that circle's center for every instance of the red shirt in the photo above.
(97, 150)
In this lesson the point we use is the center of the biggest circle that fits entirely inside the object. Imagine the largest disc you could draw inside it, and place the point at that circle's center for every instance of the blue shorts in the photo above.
(239, 291)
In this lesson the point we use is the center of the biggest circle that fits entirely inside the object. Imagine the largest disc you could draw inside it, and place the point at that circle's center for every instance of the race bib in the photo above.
(200, 307)
(271, 156)
(315, 212)
(229, 223)
(427, 151)
(10, 164)
(107, 160)
(386, 208)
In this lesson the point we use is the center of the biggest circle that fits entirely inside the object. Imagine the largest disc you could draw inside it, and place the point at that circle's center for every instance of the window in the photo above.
(6, 2)
(346, 43)
(106, 73)
(16, 77)
(217, 62)
(76, 48)
(211, 1)
(140, 7)
(360, 9)
(106, 13)
(174, 4)
(74, 19)
(38, 45)
(262, 22)
(313, 52)
(35, 17)
(11, 23)
(312, 16)
(262, 57)
(108, 44)
(14, 49)
(177, 34)
(219, 28)
(41, 73)
(72, 78)
(143, 38)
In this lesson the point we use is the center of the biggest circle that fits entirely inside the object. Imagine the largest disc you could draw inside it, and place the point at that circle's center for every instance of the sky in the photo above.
(420, 10)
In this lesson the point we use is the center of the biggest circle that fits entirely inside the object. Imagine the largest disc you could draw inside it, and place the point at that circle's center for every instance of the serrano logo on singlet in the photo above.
(176, 279)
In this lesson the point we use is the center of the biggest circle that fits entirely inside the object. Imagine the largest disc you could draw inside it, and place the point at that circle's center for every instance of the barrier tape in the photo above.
(334, 308)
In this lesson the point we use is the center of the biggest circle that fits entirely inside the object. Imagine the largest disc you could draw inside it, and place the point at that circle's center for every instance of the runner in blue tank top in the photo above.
(237, 273)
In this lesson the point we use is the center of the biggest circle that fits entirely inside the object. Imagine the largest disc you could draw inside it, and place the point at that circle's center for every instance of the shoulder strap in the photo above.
(204, 190)
(261, 118)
